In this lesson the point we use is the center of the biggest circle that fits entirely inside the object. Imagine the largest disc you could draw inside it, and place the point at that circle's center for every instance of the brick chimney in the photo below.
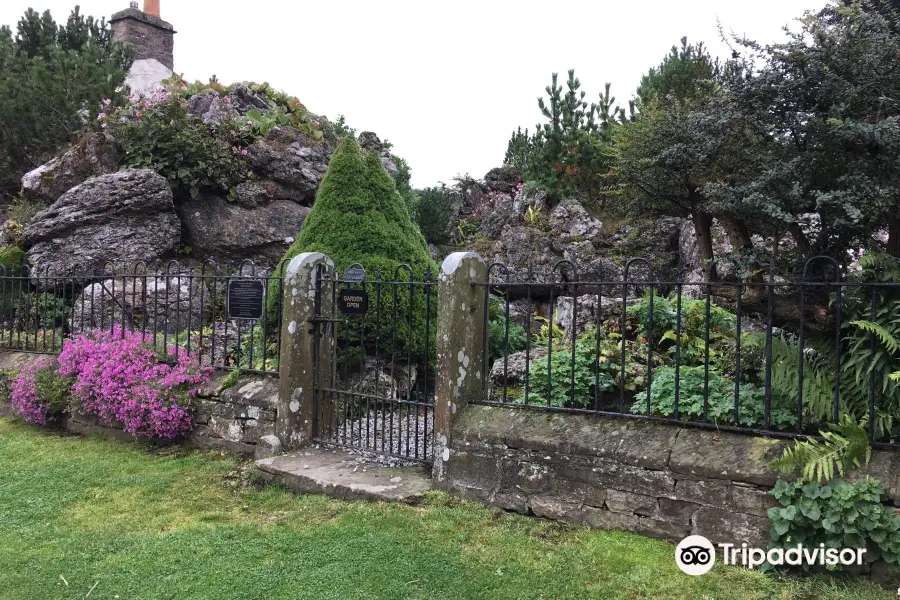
(150, 36)
(151, 7)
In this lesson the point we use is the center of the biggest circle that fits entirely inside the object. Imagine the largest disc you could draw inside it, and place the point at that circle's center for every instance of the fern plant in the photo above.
(844, 446)
(869, 350)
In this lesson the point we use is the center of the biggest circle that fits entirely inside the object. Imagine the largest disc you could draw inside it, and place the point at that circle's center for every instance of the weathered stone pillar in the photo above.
(460, 351)
(300, 347)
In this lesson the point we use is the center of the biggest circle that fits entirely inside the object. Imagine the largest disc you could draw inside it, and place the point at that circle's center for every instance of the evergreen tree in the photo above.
(359, 218)
(49, 74)
(684, 74)
(689, 147)
(569, 154)
(827, 101)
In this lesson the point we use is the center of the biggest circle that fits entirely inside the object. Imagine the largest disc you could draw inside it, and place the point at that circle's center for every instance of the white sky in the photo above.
(445, 82)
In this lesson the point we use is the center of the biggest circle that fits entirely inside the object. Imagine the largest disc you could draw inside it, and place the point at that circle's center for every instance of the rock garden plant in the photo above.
(117, 376)
(38, 394)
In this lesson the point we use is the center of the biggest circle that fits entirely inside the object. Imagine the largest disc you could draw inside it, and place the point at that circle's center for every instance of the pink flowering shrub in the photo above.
(37, 394)
(118, 376)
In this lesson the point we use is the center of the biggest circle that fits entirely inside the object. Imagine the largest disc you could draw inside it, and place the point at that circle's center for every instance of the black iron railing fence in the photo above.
(773, 357)
(375, 385)
(178, 304)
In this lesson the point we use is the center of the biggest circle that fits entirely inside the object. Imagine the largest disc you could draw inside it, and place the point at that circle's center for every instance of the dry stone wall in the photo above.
(237, 418)
(657, 480)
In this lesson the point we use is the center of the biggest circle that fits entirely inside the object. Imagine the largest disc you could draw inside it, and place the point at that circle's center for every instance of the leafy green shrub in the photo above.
(722, 326)
(548, 331)
(720, 398)
(158, 133)
(52, 389)
(465, 229)
(12, 258)
(593, 372)
(40, 310)
(22, 211)
(434, 211)
(561, 377)
(497, 337)
(359, 217)
(838, 514)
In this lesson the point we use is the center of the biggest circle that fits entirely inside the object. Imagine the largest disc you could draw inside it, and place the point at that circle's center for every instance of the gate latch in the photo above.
(320, 319)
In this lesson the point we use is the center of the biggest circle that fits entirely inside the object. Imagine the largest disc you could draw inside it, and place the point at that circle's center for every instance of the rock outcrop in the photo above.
(127, 216)
(369, 142)
(290, 159)
(94, 155)
(222, 230)
(163, 304)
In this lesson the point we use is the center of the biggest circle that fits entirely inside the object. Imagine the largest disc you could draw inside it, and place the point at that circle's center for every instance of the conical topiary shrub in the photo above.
(359, 218)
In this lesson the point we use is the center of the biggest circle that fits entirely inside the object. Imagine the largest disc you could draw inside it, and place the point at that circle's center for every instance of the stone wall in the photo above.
(151, 36)
(233, 418)
(657, 480)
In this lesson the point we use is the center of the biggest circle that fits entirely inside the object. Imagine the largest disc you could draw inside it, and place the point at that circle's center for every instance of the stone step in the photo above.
(341, 474)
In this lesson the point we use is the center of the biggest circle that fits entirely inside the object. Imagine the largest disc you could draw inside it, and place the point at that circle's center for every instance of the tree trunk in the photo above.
(785, 311)
(800, 239)
(893, 243)
(703, 234)
(736, 230)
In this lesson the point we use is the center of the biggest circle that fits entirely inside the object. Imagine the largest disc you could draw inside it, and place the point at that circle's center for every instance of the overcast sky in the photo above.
(445, 81)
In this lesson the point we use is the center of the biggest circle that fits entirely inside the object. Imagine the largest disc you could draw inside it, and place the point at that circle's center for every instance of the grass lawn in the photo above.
(80, 515)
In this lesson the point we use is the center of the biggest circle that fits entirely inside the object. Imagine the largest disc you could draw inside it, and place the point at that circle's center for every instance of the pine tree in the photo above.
(48, 75)
(569, 154)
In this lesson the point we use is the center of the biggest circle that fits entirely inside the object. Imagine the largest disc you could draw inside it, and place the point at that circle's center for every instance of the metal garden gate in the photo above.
(374, 375)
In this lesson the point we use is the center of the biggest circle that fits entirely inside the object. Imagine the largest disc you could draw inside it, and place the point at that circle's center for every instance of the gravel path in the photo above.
(378, 434)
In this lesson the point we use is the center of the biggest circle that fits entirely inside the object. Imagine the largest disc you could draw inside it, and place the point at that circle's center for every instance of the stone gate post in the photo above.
(304, 296)
(460, 353)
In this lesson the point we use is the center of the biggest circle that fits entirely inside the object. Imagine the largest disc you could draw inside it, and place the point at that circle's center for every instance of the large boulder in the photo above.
(257, 192)
(151, 303)
(127, 217)
(570, 222)
(509, 373)
(217, 228)
(93, 155)
(211, 107)
(504, 179)
(520, 246)
(586, 318)
(291, 158)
